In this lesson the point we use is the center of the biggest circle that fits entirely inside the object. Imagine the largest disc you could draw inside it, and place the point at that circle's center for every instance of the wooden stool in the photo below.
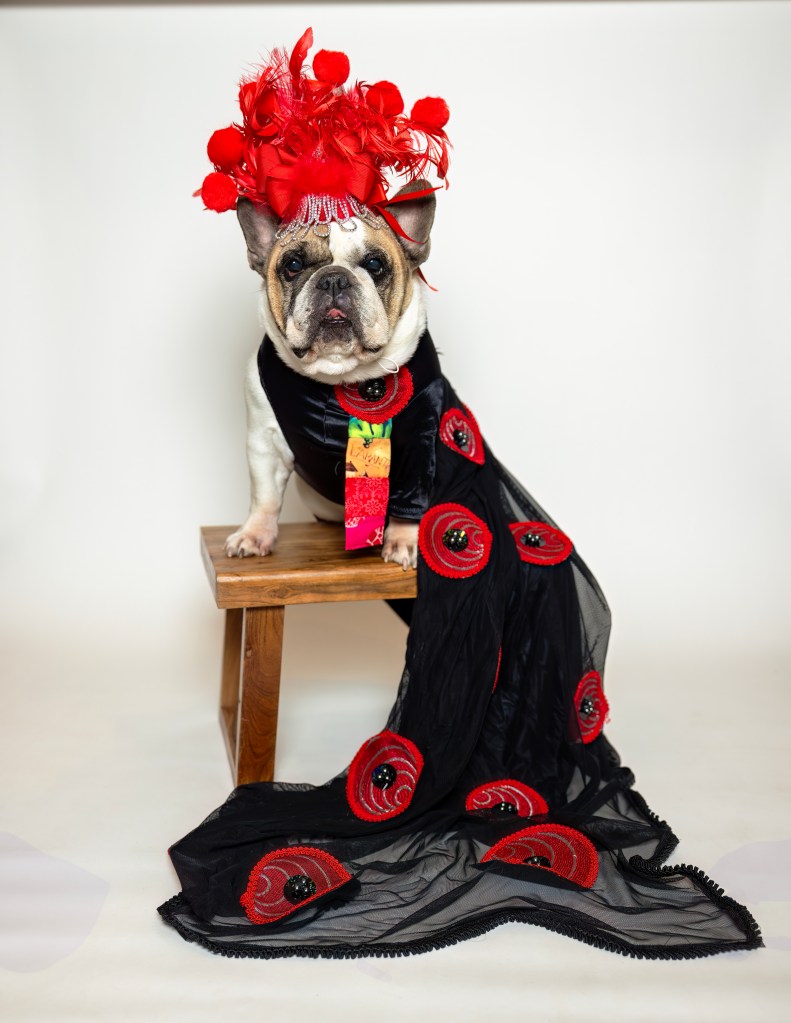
(308, 566)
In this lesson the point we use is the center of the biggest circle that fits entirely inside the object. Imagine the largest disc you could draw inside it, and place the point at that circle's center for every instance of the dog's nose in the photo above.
(334, 281)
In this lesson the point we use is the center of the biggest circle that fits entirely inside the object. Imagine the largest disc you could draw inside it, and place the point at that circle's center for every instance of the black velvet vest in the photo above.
(316, 429)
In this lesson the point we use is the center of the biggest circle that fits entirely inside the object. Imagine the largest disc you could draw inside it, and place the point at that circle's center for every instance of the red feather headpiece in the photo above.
(314, 151)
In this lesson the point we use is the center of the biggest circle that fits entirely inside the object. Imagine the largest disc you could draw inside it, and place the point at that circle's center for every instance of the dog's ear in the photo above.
(259, 226)
(415, 217)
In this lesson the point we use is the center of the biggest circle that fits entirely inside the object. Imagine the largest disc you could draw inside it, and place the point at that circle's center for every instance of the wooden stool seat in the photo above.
(308, 566)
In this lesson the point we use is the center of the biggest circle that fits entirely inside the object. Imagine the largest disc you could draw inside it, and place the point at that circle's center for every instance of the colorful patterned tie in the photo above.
(367, 484)
(371, 406)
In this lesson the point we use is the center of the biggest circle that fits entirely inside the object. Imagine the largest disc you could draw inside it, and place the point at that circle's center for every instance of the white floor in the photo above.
(114, 753)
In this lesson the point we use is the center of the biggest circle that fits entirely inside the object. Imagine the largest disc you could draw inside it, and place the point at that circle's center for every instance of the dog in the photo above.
(340, 308)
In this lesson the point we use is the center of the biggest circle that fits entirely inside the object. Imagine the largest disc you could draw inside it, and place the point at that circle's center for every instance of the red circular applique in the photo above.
(456, 421)
(590, 706)
(265, 899)
(458, 563)
(372, 802)
(568, 852)
(527, 802)
(398, 391)
(551, 547)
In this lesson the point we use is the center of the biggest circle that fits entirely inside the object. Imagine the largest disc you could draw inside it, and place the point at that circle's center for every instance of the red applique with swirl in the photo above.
(590, 706)
(287, 879)
(383, 776)
(512, 797)
(540, 544)
(398, 389)
(459, 431)
(553, 847)
(454, 542)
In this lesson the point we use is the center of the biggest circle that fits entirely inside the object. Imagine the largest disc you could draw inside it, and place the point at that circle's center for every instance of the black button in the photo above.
(531, 539)
(587, 706)
(537, 861)
(461, 437)
(372, 390)
(455, 539)
(383, 776)
(298, 888)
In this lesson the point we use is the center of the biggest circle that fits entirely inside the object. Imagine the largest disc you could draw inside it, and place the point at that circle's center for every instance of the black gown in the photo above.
(492, 794)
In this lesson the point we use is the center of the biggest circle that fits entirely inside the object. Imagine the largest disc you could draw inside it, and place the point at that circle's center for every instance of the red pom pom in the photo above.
(432, 112)
(225, 148)
(218, 192)
(331, 66)
(385, 97)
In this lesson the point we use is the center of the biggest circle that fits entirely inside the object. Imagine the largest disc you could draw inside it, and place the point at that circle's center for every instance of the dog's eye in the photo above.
(292, 266)
(374, 266)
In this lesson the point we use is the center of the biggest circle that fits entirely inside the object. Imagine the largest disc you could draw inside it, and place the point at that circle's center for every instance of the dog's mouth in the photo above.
(335, 317)
(336, 333)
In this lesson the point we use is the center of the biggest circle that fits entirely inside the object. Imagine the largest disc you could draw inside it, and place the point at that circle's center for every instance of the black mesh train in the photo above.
(492, 793)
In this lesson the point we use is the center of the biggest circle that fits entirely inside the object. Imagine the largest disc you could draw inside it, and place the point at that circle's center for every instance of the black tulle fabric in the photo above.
(418, 880)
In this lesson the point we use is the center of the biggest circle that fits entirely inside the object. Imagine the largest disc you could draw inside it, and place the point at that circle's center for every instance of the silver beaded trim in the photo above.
(317, 212)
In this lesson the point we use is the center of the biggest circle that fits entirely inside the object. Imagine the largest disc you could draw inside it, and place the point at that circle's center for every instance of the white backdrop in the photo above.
(613, 266)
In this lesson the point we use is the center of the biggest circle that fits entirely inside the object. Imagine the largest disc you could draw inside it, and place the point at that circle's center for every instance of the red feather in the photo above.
(299, 53)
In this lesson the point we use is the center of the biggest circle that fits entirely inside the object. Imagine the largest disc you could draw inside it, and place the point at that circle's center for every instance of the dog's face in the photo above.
(338, 297)
(336, 306)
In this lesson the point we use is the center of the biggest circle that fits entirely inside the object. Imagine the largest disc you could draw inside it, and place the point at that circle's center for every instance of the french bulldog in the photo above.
(339, 308)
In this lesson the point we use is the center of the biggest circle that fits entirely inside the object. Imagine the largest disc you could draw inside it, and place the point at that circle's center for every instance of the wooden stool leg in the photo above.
(229, 681)
(262, 649)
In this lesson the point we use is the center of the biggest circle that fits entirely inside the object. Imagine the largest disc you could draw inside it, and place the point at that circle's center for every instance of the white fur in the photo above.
(270, 463)
(269, 458)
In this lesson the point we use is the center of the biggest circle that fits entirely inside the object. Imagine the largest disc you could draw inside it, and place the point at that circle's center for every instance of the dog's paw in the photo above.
(256, 537)
(400, 543)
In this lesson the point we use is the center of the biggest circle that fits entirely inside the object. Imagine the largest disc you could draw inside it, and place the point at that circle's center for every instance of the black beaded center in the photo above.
(298, 888)
(505, 808)
(537, 861)
(587, 706)
(461, 437)
(372, 390)
(383, 776)
(455, 539)
(531, 540)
